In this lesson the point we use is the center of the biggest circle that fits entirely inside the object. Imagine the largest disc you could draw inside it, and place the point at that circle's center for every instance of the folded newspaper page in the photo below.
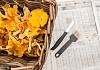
(85, 53)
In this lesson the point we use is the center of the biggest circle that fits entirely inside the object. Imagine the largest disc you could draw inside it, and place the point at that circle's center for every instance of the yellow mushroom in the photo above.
(40, 38)
(39, 18)
(36, 44)
(27, 14)
(23, 48)
(16, 49)
(20, 34)
(6, 6)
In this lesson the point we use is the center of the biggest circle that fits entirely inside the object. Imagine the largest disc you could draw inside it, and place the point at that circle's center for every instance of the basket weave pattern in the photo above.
(50, 7)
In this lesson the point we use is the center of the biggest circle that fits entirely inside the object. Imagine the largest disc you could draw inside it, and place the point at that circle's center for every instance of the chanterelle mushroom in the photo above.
(21, 35)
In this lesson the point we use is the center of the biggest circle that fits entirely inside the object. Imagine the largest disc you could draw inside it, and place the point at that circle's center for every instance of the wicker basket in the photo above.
(15, 63)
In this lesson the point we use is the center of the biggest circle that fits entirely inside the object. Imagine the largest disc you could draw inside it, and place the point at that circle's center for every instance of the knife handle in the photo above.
(59, 41)
(63, 48)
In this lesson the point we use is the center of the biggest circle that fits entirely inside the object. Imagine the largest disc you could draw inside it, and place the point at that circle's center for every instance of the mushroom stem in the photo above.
(11, 37)
(2, 48)
(17, 32)
(29, 48)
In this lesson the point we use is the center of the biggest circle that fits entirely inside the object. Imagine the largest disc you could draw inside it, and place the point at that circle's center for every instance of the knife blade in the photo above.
(62, 36)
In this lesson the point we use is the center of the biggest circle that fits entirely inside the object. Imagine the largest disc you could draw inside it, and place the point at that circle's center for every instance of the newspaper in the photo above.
(96, 10)
(85, 53)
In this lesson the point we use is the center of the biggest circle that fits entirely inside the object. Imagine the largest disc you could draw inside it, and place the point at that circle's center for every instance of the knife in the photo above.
(73, 38)
(62, 36)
